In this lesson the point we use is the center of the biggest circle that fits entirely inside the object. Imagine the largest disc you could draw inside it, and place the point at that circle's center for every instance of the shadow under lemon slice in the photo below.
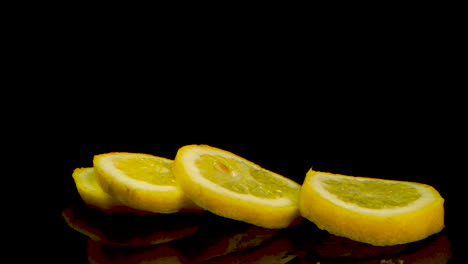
(233, 187)
(130, 229)
(375, 211)
(141, 181)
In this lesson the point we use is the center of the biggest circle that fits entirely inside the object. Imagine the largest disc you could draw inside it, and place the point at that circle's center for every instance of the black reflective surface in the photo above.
(207, 238)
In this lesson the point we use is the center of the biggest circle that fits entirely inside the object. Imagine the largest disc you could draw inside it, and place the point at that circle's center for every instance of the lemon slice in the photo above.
(141, 181)
(91, 191)
(375, 211)
(233, 187)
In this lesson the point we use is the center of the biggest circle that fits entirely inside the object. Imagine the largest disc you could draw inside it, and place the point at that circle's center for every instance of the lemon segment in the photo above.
(240, 177)
(375, 211)
(371, 194)
(141, 181)
(233, 187)
(147, 169)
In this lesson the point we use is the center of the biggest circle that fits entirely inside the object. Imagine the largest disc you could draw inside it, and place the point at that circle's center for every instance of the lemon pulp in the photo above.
(241, 178)
(372, 194)
(150, 170)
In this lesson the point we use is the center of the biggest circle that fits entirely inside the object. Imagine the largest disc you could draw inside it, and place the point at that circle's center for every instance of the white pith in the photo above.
(189, 158)
(426, 196)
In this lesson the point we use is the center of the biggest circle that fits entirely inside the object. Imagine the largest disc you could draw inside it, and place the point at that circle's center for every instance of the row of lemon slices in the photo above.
(201, 177)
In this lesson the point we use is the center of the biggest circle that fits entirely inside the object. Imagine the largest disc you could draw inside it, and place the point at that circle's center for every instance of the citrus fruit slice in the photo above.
(375, 211)
(233, 187)
(141, 181)
(91, 191)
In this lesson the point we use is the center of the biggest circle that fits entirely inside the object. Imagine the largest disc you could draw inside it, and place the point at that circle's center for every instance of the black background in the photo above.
(383, 109)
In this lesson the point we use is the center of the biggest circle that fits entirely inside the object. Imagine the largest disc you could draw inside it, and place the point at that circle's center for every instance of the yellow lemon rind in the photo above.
(380, 229)
(138, 194)
(262, 212)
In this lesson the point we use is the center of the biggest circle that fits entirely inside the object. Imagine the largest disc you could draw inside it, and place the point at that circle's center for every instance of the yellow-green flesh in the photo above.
(372, 194)
(153, 171)
(242, 178)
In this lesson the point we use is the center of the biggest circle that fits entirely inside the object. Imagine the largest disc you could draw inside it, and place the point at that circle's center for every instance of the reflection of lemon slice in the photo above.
(374, 211)
(92, 193)
(220, 239)
(433, 250)
(277, 251)
(130, 229)
(236, 188)
(141, 181)
(164, 253)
